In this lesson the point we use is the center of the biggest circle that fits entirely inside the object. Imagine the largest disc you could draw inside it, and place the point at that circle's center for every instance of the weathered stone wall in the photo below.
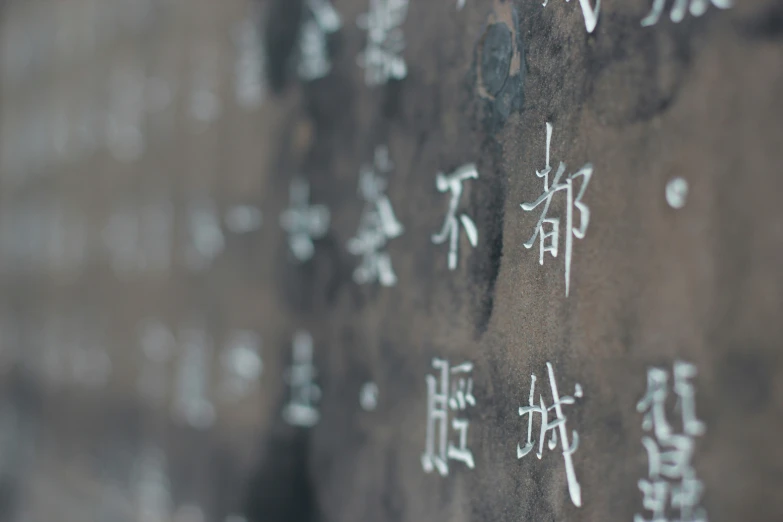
(655, 280)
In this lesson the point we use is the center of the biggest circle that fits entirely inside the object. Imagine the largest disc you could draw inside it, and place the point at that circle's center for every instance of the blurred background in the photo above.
(130, 178)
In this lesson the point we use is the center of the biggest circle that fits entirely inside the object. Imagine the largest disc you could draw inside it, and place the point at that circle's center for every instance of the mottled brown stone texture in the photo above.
(649, 285)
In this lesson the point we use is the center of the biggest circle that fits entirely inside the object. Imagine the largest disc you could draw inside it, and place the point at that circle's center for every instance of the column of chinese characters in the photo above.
(443, 395)
(153, 486)
(304, 222)
(549, 241)
(453, 183)
(321, 20)
(680, 9)
(192, 401)
(382, 58)
(158, 345)
(301, 410)
(547, 425)
(204, 237)
(377, 225)
(590, 13)
(671, 482)
(250, 66)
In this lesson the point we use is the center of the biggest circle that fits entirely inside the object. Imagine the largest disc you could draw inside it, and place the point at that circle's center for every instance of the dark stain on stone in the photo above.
(499, 72)
(282, 490)
(392, 101)
(282, 36)
(496, 57)
(485, 262)
(320, 279)
(9, 498)
(393, 498)
(766, 26)
(653, 64)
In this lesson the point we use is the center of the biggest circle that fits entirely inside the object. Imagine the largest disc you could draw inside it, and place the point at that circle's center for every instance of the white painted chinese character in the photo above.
(153, 488)
(555, 425)
(124, 125)
(382, 58)
(250, 82)
(442, 396)
(158, 345)
(680, 9)
(321, 20)
(460, 4)
(586, 172)
(241, 219)
(304, 222)
(138, 238)
(57, 340)
(121, 237)
(301, 410)
(450, 231)
(590, 13)
(205, 236)
(192, 401)
(90, 362)
(672, 481)
(155, 231)
(377, 225)
(204, 103)
(242, 364)
(68, 244)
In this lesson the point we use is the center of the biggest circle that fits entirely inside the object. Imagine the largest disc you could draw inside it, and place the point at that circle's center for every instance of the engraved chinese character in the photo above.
(451, 390)
(453, 183)
(90, 363)
(377, 225)
(590, 13)
(158, 345)
(192, 401)
(680, 9)
(304, 222)
(321, 20)
(155, 232)
(121, 237)
(241, 219)
(242, 364)
(204, 103)
(250, 73)
(382, 58)
(671, 482)
(553, 420)
(125, 125)
(549, 241)
(153, 488)
(205, 235)
(305, 394)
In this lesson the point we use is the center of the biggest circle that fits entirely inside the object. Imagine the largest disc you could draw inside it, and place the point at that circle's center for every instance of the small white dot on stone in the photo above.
(368, 396)
(676, 192)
